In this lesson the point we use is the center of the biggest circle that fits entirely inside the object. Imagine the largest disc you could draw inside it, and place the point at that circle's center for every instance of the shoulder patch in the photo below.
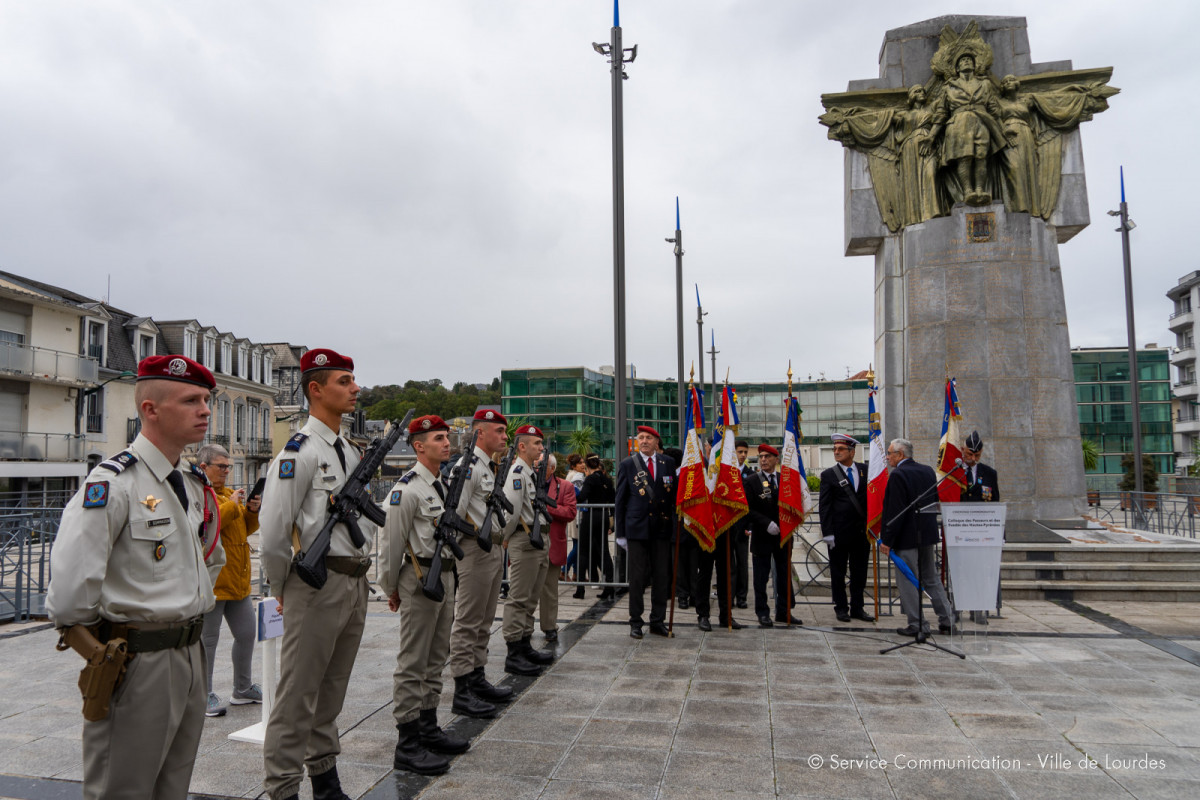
(95, 494)
(287, 468)
(199, 475)
(396, 497)
(517, 469)
(408, 476)
(517, 484)
(120, 462)
(295, 442)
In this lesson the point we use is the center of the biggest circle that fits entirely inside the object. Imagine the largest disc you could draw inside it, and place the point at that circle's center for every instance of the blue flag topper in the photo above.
(616, 14)
(677, 224)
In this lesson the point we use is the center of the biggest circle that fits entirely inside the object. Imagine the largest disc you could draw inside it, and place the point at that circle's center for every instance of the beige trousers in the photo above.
(146, 748)
(424, 644)
(527, 568)
(548, 605)
(479, 577)
(321, 632)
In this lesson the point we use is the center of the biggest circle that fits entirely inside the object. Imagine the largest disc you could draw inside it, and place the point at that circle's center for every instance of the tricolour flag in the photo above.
(949, 454)
(692, 501)
(877, 472)
(795, 500)
(728, 495)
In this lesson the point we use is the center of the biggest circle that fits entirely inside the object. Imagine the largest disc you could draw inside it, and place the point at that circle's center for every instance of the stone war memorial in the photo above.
(964, 172)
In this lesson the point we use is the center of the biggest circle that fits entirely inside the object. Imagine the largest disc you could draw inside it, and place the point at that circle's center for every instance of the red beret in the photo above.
(175, 368)
(427, 423)
(649, 430)
(325, 359)
(488, 415)
(766, 448)
(530, 430)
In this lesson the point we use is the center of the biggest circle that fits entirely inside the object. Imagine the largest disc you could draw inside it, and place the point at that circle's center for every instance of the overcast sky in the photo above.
(426, 186)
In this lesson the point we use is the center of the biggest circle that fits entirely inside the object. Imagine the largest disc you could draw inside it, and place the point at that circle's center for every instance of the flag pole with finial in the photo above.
(870, 423)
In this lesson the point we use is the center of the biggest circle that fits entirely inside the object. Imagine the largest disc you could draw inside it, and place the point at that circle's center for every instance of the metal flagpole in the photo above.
(678, 240)
(700, 312)
(1126, 227)
(874, 548)
(617, 57)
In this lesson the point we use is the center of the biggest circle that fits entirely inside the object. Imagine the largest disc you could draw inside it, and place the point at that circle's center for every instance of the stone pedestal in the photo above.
(978, 296)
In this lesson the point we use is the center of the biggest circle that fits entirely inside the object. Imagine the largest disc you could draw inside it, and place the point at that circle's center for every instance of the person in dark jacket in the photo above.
(766, 549)
(645, 521)
(983, 485)
(913, 536)
(594, 560)
(843, 507)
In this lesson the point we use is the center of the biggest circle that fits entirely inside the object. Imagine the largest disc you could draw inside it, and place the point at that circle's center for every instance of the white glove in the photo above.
(773, 529)
(828, 540)
(622, 543)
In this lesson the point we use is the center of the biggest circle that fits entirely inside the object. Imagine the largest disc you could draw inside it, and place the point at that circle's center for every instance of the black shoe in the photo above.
(607, 594)
(636, 631)
(327, 786)
(862, 615)
(579, 593)
(843, 616)
(465, 703)
(517, 663)
(551, 636)
(684, 603)
(412, 756)
(659, 629)
(945, 628)
(741, 603)
(504, 591)
(910, 630)
(486, 691)
(535, 656)
(703, 624)
(765, 622)
(437, 740)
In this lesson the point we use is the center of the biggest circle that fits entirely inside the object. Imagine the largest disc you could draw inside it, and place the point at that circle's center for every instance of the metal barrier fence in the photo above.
(26, 537)
(1156, 512)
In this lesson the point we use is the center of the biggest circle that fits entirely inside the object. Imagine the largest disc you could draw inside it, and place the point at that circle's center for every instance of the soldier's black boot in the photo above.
(436, 739)
(535, 656)
(326, 786)
(412, 756)
(517, 663)
(466, 703)
(486, 691)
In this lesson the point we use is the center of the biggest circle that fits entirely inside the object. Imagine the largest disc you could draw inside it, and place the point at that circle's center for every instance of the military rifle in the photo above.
(353, 501)
(448, 527)
(541, 501)
(497, 502)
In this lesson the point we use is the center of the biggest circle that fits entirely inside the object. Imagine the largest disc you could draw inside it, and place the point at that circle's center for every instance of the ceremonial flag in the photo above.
(692, 501)
(795, 500)
(877, 473)
(949, 454)
(728, 495)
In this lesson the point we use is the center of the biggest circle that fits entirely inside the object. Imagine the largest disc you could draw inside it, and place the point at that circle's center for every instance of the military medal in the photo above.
(150, 502)
(324, 467)
(160, 550)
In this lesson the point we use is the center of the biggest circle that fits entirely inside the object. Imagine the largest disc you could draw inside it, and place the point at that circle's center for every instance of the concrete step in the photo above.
(1101, 571)
(1184, 552)
(1147, 591)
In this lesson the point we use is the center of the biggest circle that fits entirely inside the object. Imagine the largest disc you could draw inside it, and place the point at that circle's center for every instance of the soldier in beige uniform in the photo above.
(136, 556)
(479, 576)
(321, 627)
(527, 564)
(405, 557)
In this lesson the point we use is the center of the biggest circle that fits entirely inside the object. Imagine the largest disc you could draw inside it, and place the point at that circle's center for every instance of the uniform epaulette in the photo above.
(199, 475)
(408, 476)
(295, 442)
(120, 462)
(517, 469)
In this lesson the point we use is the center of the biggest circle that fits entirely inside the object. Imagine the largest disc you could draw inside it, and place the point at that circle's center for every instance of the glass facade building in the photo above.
(563, 400)
(1102, 392)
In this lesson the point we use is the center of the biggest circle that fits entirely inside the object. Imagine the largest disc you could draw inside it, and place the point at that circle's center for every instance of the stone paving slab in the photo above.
(1048, 703)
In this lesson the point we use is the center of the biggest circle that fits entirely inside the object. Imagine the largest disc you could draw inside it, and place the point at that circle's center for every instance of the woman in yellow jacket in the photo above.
(234, 604)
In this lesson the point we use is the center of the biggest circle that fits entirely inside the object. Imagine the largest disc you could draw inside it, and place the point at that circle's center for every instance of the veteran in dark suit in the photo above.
(913, 536)
(843, 507)
(983, 484)
(766, 550)
(645, 519)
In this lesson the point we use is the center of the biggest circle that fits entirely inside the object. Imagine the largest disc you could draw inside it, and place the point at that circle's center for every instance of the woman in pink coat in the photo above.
(563, 493)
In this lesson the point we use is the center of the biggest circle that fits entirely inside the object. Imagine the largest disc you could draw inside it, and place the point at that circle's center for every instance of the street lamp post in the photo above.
(1126, 226)
(617, 57)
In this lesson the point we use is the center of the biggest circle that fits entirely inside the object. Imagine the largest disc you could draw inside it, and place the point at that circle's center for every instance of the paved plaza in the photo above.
(1098, 700)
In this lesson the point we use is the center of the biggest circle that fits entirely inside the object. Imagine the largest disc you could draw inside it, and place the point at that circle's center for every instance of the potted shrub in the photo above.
(1128, 484)
(1091, 460)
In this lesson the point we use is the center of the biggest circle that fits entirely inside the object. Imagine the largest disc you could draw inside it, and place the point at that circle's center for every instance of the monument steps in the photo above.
(1166, 572)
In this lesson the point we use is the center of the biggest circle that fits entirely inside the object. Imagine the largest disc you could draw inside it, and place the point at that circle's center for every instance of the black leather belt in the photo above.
(353, 566)
(148, 637)
(447, 563)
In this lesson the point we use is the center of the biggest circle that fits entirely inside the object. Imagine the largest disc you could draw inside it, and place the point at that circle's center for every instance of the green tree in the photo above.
(583, 441)
(1091, 454)
(814, 482)
(1149, 474)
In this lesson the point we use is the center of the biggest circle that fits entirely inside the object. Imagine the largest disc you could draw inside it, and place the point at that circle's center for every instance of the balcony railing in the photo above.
(259, 447)
(1185, 382)
(42, 364)
(133, 426)
(26, 446)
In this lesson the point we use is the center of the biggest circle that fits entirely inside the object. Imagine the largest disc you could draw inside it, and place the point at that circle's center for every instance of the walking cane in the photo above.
(674, 581)
(728, 583)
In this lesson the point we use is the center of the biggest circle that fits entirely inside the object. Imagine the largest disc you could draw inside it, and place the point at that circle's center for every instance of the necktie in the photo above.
(175, 478)
(437, 485)
(850, 477)
(970, 476)
(772, 478)
(650, 466)
(337, 445)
